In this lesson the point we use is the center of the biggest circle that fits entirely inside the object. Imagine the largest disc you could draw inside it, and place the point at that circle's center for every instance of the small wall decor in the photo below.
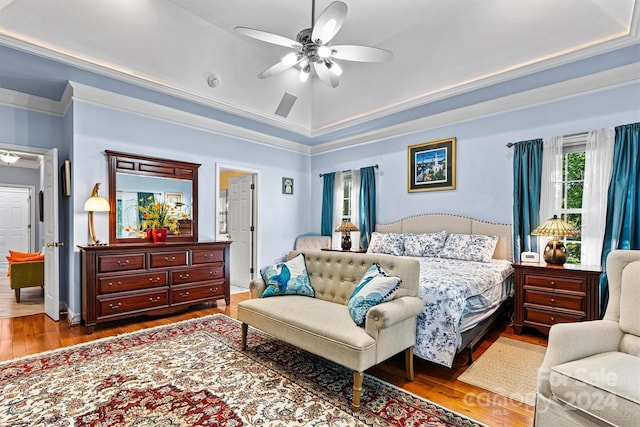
(287, 186)
(432, 166)
(174, 199)
(41, 205)
(65, 169)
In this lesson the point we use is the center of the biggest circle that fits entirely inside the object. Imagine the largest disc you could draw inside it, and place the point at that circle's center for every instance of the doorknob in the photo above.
(54, 244)
(228, 235)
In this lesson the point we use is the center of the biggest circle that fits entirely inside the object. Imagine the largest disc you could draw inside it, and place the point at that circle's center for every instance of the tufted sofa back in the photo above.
(334, 275)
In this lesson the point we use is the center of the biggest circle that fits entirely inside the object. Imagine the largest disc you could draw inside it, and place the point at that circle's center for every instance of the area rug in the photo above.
(509, 368)
(192, 373)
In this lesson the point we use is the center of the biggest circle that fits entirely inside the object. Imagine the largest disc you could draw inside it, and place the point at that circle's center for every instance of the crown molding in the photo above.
(24, 101)
(114, 101)
(603, 80)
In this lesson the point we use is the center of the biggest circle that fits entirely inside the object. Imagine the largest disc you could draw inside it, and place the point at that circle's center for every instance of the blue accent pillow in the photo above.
(287, 278)
(376, 286)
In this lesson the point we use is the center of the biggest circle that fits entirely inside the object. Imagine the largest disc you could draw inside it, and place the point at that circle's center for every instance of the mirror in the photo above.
(147, 192)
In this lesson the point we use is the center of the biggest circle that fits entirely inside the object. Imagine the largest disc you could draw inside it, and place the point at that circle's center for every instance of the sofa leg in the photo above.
(243, 342)
(408, 363)
(17, 290)
(358, 378)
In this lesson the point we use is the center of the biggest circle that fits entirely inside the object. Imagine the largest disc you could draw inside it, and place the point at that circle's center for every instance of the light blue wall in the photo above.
(484, 164)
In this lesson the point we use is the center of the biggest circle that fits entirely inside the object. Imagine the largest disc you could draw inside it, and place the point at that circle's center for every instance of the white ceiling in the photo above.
(441, 48)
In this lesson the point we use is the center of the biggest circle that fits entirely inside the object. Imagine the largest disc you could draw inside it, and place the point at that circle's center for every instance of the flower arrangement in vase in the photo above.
(157, 219)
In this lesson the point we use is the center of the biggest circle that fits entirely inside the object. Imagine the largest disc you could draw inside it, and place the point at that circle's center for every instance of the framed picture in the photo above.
(287, 186)
(432, 166)
(173, 199)
(65, 170)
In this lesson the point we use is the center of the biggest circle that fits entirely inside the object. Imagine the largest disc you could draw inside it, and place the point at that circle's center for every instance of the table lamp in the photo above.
(95, 203)
(346, 228)
(555, 251)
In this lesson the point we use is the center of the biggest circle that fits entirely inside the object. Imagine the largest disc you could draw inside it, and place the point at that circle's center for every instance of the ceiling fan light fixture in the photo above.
(323, 51)
(304, 64)
(9, 158)
(334, 68)
(304, 73)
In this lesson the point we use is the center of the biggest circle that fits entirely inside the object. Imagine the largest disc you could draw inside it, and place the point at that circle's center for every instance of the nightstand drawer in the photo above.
(555, 299)
(552, 282)
(537, 316)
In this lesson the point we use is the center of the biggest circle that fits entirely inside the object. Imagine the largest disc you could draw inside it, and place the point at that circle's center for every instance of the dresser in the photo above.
(126, 280)
(548, 294)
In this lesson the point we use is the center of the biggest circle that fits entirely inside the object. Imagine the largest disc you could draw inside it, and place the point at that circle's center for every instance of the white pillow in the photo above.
(469, 247)
(386, 243)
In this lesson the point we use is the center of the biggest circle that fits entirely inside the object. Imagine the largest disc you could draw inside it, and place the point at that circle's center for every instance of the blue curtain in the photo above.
(326, 227)
(527, 173)
(623, 201)
(367, 205)
(143, 200)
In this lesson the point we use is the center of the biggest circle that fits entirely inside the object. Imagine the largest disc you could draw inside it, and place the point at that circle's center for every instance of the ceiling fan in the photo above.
(311, 47)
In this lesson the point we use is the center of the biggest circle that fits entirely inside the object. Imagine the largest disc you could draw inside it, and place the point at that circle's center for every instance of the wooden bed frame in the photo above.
(433, 223)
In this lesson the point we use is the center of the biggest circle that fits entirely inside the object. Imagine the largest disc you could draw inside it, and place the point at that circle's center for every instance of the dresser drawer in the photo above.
(205, 256)
(568, 284)
(192, 293)
(107, 263)
(555, 299)
(130, 303)
(197, 274)
(131, 282)
(167, 259)
(538, 316)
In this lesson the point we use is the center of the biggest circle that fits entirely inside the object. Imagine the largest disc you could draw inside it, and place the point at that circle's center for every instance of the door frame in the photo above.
(256, 219)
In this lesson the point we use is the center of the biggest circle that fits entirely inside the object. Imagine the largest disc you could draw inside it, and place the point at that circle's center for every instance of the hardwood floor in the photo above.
(33, 334)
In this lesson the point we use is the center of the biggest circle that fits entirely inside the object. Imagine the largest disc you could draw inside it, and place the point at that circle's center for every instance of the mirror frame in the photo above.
(135, 164)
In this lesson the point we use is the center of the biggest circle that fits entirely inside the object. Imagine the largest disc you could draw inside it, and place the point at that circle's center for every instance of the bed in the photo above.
(462, 298)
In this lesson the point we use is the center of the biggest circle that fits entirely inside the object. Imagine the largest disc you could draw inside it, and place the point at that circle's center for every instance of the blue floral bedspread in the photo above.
(445, 286)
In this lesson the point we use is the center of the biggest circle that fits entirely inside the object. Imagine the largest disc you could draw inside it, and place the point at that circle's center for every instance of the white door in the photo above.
(15, 220)
(51, 254)
(240, 227)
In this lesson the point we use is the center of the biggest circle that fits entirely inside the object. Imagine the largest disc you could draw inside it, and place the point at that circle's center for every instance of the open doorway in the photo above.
(236, 221)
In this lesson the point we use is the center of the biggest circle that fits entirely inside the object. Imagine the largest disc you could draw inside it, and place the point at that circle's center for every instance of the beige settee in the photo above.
(590, 375)
(322, 324)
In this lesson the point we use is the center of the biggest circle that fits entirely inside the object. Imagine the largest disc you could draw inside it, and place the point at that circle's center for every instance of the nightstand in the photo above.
(548, 294)
(356, 251)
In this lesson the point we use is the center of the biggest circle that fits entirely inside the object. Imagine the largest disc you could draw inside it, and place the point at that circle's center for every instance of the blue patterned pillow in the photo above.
(374, 287)
(287, 278)
(424, 245)
(386, 243)
(469, 247)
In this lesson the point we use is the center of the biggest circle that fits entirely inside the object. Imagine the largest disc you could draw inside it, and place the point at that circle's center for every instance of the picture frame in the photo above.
(65, 170)
(432, 166)
(287, 186)
(41, 205)
(173, 199)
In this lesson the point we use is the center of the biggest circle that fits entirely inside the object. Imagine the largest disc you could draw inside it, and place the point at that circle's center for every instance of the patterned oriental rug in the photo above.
(192, 373)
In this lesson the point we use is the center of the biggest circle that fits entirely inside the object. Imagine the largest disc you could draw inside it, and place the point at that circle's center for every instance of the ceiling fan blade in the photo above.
(325, 74)
(350, 52)
(329, 22)
(277, 68)
(268, 37)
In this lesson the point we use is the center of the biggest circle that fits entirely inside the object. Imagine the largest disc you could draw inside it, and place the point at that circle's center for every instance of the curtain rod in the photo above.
(572, 135)
(321, 175)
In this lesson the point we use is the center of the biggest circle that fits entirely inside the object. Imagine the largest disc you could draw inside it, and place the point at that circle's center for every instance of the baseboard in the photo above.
(73, 318)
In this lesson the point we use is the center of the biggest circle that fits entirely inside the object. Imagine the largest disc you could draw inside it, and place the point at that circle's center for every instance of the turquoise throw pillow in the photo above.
(287, 278)
(376, 286)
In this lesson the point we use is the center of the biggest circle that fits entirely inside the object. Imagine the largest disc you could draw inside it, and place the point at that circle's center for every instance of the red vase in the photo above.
(147, 233)
(159, 235)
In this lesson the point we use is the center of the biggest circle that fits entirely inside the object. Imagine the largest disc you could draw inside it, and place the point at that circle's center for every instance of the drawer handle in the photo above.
(213, 290)
(167, 259)
(120, 263)
(213, 273)
(553, 319)
(184, 276)
(116, 306)
(156, 299)
(553, 283)
(184, 295)
(553, 300)
(208, 256)
(111, 283)
(152, 280)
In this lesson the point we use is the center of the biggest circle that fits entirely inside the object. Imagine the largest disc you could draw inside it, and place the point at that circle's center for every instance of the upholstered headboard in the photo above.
(432, 223)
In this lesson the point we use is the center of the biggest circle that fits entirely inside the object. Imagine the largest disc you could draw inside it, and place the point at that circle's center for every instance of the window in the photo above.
(346, 204)
(573, 168)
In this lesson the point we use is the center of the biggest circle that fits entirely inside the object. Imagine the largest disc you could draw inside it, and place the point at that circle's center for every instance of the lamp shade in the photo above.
(96, 204)
(555, 227)
(346, 227)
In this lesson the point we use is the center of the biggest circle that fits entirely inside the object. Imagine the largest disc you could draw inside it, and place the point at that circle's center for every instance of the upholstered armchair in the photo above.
(26, 274)
(590, 375)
